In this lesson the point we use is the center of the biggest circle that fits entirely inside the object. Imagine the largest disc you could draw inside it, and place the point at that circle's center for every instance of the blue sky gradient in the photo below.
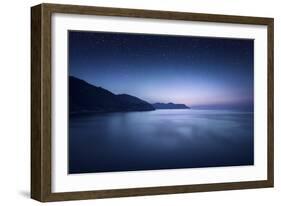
(200, 72)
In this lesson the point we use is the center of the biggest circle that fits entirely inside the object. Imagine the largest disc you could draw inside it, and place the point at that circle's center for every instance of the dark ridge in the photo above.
(85, 97)
(170, 106)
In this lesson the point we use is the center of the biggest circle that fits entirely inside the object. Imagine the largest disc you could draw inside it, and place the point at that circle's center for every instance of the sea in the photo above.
(160, 139)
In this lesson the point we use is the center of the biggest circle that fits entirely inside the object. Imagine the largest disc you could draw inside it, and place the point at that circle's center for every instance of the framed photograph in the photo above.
(132, 102)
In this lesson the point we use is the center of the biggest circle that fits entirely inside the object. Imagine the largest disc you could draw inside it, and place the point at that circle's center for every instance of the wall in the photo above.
(15, 102)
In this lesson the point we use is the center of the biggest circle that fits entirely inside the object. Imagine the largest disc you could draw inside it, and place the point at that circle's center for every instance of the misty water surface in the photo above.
(161, 139)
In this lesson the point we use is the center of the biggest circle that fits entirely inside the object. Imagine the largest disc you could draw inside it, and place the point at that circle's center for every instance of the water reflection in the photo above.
(161, 139)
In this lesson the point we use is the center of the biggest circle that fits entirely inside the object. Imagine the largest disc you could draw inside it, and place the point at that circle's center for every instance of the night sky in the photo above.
(208, 73)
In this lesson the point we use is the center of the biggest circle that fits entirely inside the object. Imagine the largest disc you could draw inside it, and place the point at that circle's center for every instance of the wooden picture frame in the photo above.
(41, 116)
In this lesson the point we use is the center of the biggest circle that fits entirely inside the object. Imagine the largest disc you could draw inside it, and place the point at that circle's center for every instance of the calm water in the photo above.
(161, 139)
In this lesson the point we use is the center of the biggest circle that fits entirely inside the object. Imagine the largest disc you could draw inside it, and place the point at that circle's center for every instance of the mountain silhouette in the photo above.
(170, 106)
(85, 97)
